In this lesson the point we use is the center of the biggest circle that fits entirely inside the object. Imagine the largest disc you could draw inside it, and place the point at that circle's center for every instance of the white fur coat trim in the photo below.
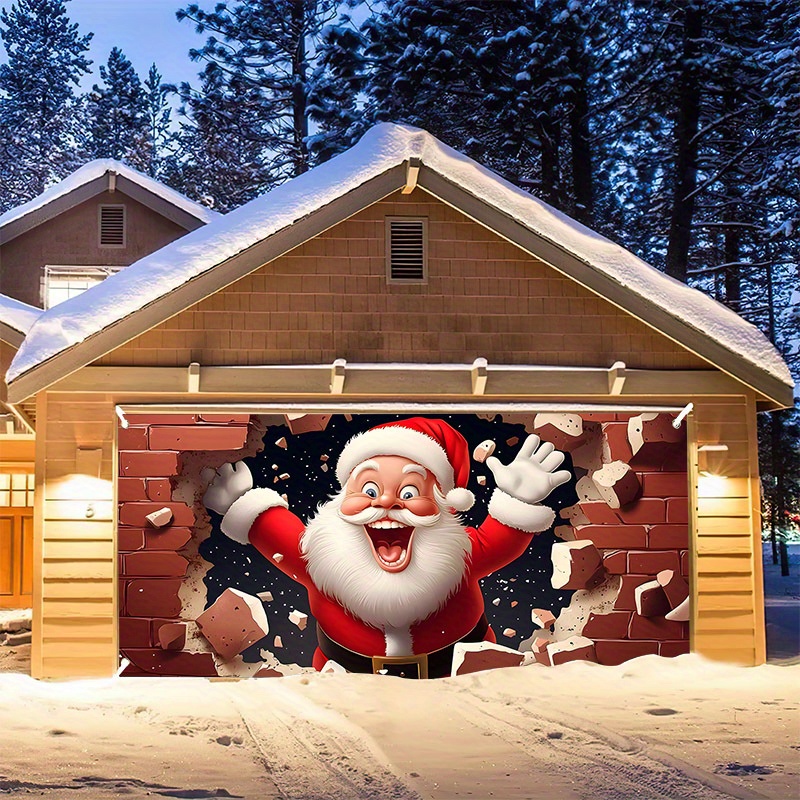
(242, 514)
(528, 517)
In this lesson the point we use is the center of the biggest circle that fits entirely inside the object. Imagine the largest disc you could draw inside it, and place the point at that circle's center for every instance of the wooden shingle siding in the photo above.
(329, 298)
(728, 621)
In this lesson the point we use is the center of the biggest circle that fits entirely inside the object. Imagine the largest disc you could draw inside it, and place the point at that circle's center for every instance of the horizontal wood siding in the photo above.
(728, 607)
(329, 298)
(75, 631)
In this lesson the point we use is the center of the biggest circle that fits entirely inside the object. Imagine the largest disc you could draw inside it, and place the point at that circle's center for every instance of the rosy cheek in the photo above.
(422, 506)
(355, 504)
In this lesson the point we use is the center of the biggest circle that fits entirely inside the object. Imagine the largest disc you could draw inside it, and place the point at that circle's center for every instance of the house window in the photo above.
(16, 490)
(64, 282)
(112, 226)
(406, 250)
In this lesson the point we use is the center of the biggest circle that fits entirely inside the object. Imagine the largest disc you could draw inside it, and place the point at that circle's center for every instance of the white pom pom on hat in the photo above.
(431, 443)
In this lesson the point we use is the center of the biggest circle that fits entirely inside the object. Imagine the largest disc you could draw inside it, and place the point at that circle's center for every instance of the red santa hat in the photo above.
(431, 443)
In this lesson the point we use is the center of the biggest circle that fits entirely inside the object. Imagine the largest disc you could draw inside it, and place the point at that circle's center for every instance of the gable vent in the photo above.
(406, 248)
(112, 226)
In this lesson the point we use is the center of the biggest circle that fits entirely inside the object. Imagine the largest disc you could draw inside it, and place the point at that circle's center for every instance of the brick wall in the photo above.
(151, 566)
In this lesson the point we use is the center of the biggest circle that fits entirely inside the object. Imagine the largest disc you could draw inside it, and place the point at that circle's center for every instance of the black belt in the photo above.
(424, 665)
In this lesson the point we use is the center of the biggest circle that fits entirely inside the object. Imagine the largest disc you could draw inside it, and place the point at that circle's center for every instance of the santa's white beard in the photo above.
(342, 565)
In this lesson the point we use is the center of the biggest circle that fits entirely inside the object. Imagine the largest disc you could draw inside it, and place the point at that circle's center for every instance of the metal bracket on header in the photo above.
(676, 423)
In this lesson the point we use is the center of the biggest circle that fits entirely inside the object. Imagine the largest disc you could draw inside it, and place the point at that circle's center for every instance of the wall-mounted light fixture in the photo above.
(712, 448)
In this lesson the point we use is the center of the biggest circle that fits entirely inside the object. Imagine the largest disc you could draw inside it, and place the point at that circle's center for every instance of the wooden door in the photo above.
(16, 557)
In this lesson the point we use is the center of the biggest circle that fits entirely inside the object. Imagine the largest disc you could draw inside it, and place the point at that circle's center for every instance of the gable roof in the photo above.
(160, 285)
(94, 178)
(16, 319)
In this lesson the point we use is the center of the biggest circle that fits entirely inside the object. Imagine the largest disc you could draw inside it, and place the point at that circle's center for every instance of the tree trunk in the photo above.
(686, 130)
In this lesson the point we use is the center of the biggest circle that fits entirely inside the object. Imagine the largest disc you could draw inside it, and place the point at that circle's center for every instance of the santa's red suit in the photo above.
(278, 531)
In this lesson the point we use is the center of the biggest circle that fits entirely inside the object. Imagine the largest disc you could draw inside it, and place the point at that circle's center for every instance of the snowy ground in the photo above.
(651, 728)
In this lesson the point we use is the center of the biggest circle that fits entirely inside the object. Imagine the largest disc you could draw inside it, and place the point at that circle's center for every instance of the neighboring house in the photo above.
(399, 277)
(95, 222)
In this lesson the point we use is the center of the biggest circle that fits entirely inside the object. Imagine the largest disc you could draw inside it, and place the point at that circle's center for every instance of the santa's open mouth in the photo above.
(391, 543)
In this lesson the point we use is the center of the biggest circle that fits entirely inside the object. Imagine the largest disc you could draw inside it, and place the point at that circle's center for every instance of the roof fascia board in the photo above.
(209, 282)
(52, 209)
(158, 204)
(601, 284)
(11, 335)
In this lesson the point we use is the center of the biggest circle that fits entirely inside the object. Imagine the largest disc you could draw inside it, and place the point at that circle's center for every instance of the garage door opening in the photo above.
(260, 545)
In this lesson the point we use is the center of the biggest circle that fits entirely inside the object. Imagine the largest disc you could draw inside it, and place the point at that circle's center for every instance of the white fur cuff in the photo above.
(528, 517)
(242, 514)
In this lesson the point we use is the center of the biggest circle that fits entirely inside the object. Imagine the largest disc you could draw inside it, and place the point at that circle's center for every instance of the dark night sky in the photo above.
(527, 580)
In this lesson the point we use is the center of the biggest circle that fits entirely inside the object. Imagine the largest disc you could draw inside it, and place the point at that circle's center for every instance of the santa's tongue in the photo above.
(390, 553)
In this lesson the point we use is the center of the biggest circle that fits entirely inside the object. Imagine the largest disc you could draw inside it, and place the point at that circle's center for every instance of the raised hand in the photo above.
(226, 485)
(530, 477)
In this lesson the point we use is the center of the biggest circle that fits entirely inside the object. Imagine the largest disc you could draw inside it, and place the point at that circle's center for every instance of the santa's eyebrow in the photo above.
(361, 467)
(415, 468)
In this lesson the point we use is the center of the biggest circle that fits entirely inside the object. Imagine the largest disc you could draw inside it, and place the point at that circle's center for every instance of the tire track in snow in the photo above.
(608, 765)
(313, 753)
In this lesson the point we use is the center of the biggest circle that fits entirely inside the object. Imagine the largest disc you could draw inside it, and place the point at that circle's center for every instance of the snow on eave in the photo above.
(97, 169)
(383, 147)
(17, 315)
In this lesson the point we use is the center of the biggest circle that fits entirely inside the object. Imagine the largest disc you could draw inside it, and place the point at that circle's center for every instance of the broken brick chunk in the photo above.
(617, 484)
(565, 431)
(483, 451)
(576, 648)
(306, 423)
(674, 585)
(542, 618)
(160, 518)
(234, 622)
(172, 636)
(298, 618)
(680, 613)
(476, 656)
(651, 601)
(576, 565)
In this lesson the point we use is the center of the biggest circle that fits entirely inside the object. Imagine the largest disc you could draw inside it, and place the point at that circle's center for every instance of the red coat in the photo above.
(278, 531)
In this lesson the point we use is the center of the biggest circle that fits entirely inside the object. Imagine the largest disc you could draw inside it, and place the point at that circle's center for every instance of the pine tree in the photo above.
(117, 113)
(46, 59)
(264, 50)
(158, 136)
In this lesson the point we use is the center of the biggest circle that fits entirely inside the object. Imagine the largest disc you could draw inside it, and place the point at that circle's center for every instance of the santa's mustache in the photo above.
(402, 515)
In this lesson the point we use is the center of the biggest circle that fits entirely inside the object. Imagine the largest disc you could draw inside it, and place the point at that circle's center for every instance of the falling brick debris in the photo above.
(651, 600)
(298, 618)
(234, 622)
(282, 442)
(496, 601)
(306, 423)
(513, 440)
(324, 467)
(277, 557)
(325, 457)
(265, 597)
(476, 656)
(483, 451)
(576, 565)
(514, 604)
(509, 633)
(277, 642)
(284, 476)
(542, 618)
(617, 484)
(481, 480)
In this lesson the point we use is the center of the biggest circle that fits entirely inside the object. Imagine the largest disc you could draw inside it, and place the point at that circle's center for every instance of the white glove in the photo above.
(226, 485)
(530, 477)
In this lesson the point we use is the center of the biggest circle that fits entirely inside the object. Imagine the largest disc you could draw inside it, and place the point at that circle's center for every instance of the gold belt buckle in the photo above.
(420, 661)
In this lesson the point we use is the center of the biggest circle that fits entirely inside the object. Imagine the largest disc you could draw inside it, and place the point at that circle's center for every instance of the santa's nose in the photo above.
(387, 500)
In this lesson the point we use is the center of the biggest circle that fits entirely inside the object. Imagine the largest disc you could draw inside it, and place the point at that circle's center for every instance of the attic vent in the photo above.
(112, 226)
(406, 249)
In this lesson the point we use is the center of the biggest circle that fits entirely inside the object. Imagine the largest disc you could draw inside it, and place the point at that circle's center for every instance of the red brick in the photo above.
(155, 564)
(616, 436)
(597, 416)
(684, 563)
(660, 456)
(615, 562)
(169, 419)
(129, 539)
(665, 484)
(626, 599)
(134, 632)
(131, 489)
(199, 437)
(122, 588)
(611, 652)
(159, 489)
(171, 663)
(155, 626)
(132, 438)
(172, 538)
(148, 464)
(607, 626)
(672, 649)
(613, 536)
(668, 536)
(678, 509)
(645, 511)
(224, 419)
(134, 514)
(599, 513)
(153, 598)
(656, 628)
(652, 562)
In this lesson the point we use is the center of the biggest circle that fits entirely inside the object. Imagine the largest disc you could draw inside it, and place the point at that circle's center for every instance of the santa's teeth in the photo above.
(387, 523)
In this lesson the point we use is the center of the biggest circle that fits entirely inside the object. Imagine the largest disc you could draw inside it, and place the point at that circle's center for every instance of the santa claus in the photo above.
(391, 572)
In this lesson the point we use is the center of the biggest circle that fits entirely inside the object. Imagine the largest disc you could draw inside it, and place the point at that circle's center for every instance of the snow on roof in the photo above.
(96, 169)
(384, 146)
(18, 315)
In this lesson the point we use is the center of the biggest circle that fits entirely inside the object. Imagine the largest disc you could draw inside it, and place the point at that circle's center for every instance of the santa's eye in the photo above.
(371, 489)
(409, 492)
